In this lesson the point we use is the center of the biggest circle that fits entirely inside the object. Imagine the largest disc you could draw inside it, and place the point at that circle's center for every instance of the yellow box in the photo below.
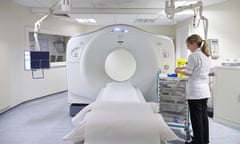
(181, 62)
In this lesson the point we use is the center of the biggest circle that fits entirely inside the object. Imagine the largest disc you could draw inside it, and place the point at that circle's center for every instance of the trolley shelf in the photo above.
(172, 103)
(172, 107)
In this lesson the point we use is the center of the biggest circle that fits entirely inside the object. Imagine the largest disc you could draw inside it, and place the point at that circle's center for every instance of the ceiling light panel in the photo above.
(91, 20)
(82, 20)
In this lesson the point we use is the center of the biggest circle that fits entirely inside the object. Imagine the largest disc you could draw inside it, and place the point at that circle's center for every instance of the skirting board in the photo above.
(227, 123)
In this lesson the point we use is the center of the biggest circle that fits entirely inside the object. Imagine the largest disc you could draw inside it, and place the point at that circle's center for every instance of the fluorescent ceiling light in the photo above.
(80, 20)
(86, 20)
(91, 20)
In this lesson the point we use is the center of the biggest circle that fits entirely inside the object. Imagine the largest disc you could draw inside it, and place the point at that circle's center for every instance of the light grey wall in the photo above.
(5, 78)
(224, 24)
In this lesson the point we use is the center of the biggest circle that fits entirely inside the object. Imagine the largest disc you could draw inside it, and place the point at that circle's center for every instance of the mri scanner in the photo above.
(120, 53)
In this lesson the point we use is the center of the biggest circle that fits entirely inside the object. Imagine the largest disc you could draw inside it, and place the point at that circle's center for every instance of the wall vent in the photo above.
(144, 20)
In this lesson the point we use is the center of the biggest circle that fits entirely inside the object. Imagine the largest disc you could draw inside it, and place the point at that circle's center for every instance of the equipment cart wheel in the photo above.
(188, 134)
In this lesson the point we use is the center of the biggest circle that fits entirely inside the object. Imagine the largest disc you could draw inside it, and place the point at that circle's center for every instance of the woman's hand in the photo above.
(178, 70)
(181, 71)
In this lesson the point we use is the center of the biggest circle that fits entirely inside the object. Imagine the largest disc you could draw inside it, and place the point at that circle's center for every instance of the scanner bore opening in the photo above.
(120, 65)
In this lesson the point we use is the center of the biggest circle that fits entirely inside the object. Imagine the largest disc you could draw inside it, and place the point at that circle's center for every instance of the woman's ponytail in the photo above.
(204, 48)
(200, 42)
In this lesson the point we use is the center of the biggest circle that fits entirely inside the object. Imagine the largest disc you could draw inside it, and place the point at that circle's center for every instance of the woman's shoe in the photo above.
(191, 142)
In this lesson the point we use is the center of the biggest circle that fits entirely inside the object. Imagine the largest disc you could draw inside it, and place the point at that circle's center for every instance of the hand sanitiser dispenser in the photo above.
(214, 48)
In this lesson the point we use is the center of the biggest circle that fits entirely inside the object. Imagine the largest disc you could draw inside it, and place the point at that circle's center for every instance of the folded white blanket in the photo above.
(120, 123)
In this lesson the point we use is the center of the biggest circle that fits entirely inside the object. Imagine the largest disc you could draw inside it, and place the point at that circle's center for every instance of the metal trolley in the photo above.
(172, 103)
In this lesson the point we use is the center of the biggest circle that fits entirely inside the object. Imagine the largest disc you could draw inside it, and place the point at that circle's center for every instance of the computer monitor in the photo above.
(36, 60)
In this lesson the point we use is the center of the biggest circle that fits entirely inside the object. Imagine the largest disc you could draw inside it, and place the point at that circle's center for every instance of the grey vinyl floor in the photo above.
(47, 120)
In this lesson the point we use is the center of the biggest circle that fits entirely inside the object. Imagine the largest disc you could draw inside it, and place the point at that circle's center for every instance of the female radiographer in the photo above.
(197, 68)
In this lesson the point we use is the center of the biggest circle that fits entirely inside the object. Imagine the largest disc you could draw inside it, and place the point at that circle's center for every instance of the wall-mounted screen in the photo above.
(36, 60)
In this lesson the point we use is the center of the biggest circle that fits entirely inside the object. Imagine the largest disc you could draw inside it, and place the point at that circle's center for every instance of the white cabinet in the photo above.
(227, 96)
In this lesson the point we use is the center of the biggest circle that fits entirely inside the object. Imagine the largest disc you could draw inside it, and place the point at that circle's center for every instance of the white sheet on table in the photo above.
(128, 93)
(111, 113)
(125, 123)
(79, 117)
(120, 112)
(120, 92)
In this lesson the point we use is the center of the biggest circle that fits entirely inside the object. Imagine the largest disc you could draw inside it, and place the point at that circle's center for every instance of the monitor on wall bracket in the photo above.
(34, 60)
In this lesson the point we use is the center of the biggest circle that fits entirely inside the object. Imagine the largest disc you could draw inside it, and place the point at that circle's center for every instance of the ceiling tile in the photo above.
(127, 15)
(102, 18)
(109, 3)
(105, 3)
(147, 16)
(45, 3)
(27, 3)
(82, 4)
(156, 4)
